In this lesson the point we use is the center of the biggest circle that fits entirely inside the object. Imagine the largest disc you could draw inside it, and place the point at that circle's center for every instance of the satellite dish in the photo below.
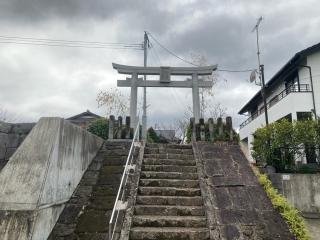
(253, 76)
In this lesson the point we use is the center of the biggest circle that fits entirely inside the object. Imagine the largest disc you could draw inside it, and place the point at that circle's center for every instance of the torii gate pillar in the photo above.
(195, 97)
(133, 100)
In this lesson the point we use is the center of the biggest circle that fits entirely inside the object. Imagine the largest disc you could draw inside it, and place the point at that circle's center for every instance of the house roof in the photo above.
(84, 114)
(291, 65)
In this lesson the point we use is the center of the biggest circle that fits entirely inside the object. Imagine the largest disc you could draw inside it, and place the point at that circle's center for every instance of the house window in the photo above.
(302, 116)
(288, 117)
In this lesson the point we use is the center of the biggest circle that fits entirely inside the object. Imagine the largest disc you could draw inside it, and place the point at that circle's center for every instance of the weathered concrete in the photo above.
(236, 205)
(41, 176)
(301, 190)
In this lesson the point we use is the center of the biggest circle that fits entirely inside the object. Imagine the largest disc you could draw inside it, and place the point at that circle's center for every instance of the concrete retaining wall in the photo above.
(11, 136)
(301, 190)
(41, 176)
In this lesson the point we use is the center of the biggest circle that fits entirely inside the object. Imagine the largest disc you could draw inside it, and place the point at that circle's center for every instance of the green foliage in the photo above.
(99, 127)
(152, 137)
(306, 168)
(290, 214)
(188, 133)
(278, 143)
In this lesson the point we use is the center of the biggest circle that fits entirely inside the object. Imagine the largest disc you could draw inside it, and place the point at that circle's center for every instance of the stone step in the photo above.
(169, 168)
(182, 183)
(170, 200)
(168, 175)
(176, 146)
(169, 191)
(151, 233)
(168, 210)
(168, 221)
(152, 161)
(167, 150)
(169, 156)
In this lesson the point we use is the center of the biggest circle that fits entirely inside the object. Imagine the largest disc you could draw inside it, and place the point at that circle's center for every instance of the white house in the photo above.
(289, 95)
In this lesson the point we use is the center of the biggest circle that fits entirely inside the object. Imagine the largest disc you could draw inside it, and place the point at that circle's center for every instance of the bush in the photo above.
(99, 127)
(306, 168)
(290, 214)
(152, 137)
(278, 143)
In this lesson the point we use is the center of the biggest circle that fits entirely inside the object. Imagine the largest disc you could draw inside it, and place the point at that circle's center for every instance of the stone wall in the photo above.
(11, 136)
(237, 206)
(301, 190)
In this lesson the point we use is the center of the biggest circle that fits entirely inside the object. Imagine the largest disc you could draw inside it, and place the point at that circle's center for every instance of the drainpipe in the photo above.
(311, 83)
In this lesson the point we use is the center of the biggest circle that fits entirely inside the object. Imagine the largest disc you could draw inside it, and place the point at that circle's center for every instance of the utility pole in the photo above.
(261, 72)
(144, 116)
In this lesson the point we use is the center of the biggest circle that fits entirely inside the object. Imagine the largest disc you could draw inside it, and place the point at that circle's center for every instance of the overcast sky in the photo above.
(41, 81)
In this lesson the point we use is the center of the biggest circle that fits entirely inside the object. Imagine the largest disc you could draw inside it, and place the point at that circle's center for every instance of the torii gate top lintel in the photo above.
(164, 81)
(178, 71)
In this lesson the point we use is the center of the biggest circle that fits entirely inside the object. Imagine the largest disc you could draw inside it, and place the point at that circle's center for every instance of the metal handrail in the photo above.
(123, 183)
(276, 99)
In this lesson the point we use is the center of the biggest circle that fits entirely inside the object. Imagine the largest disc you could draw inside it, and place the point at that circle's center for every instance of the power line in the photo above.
(67, 43)
(227, 70)
(169, 51)
(191, 63)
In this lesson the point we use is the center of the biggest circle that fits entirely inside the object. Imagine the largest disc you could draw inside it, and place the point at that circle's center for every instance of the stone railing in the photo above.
(213, 131)
(118, 130)
(11, 136)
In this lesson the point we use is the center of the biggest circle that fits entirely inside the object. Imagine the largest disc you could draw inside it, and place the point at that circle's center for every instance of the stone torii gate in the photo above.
(164, 81)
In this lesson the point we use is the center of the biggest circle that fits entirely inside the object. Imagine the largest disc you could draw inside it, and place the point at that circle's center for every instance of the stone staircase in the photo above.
(169, 203)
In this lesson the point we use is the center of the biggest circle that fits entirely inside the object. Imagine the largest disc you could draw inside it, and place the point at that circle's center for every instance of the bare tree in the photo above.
(5, 116)
(115, 101)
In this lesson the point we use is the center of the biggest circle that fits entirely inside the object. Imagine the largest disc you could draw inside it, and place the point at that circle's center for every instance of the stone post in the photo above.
(127, 130)
(229, 127)
(211, 129)
(119, 133)
(202, 130)
(111, 127)
(133, 100)
(220, 127)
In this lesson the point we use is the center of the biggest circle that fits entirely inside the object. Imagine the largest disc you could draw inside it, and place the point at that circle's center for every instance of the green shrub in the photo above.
(306, 168)
(152, 137)
(188, 133)
(99, 127)
(278, 143)
(290, 214)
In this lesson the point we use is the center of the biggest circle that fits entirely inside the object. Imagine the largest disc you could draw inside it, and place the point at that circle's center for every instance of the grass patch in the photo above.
(289, 213)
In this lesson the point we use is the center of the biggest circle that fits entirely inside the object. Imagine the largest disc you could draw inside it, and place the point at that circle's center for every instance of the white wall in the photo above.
(294, 102)
(314, 62)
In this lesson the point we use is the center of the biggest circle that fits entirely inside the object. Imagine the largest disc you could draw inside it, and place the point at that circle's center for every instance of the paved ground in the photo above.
(313, 225)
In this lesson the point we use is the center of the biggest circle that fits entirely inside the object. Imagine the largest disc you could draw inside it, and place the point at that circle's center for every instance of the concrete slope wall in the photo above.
(237, 207)
(41, 176)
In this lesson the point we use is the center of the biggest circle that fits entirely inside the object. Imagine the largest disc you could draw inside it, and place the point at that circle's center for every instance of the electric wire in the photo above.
(191, 63)
(67, 43)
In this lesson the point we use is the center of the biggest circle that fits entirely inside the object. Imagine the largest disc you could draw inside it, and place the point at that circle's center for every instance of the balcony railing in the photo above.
(277, 98)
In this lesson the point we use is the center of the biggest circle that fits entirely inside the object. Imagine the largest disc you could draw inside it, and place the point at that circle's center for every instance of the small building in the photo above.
(288, 94)
(83, 119)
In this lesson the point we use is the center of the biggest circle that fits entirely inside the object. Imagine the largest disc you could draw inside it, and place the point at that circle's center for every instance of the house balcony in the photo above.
(289, 101)
(302, 88)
